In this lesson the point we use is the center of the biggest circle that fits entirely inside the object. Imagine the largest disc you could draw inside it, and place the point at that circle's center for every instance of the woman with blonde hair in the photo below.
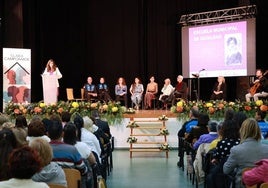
(219, 89)
(249, 151)
(51, 172)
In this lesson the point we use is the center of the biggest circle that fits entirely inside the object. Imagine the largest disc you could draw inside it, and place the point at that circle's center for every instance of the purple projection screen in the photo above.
(223, 49)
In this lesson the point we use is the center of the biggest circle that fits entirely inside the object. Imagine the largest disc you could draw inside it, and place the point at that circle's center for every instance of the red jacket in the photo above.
(256, 175)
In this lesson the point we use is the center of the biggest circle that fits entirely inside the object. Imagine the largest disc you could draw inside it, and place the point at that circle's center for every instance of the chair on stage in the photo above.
(70, 95)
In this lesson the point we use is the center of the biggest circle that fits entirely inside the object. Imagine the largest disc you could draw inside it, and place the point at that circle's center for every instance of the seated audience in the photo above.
(7, 144)
(103, 125)
(51, 172)
(65, 117)
(260, 117)
(151, 92)
(90, 90)
(36, 129)
(184, 131)
(136, 91)
(198, 130)
(257, 175)
(121, 91)
(23, 163)
(207, 138)
(20, 133)
(103, 91)
(249, 151)
(65, 155)
(219, 89)
(230, 138)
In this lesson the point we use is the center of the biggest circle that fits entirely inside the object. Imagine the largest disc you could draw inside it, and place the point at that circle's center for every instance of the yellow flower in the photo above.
(114, 109)
(259, 102)
(42, 104)
(21, 108)
(180, 103)
(209, 104)
(75, 104)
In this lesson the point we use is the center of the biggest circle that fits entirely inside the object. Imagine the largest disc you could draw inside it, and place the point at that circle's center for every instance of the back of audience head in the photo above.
(65, 116)
(20, 134)
(24, 162)
(21, 121)
(3, 118)
(212, 126)
(194, 112)
(239, 117)
(88, 123)
(230, 129)
(203, 119)
(69, 136)
(7, 144)
(250, 129)
(44, 150)
(36, 128)
(79, 123)
(55, 130)
(229, 113)
(260, 115)
(47, 122)
(55, 117)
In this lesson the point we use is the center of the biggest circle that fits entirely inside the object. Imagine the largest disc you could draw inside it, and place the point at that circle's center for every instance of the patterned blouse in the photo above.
(223, 148)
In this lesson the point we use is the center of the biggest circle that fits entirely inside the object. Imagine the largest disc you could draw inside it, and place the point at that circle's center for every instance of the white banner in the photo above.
(16, 75)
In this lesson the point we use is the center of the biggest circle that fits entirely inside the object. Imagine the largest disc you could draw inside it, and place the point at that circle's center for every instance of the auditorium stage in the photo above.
(121, 132)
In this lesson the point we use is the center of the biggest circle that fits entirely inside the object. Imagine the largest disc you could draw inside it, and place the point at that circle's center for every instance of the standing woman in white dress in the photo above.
(52, 69)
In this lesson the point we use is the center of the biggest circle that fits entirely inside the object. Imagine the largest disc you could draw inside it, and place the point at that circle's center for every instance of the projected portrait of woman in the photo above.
(232, 52)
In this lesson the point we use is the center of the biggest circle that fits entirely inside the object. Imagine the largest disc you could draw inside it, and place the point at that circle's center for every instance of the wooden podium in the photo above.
(50, 89)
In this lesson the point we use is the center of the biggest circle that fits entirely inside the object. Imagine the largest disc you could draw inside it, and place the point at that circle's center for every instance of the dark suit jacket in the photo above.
(104, 126)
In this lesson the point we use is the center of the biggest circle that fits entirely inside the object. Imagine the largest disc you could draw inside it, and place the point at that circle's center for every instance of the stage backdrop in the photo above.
(16, 75)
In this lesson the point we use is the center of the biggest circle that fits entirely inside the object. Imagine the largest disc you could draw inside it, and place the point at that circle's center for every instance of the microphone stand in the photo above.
(197, 92)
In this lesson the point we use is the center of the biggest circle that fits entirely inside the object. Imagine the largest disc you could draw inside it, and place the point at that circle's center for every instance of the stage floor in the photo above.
(151, 114)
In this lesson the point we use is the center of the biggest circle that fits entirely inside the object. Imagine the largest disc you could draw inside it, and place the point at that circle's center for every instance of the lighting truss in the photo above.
(223, 15)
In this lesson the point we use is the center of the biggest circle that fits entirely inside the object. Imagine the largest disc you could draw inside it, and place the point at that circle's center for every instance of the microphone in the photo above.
(202, 69)
(196, 75)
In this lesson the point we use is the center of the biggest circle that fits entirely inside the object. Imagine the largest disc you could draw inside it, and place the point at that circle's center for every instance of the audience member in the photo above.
(89, 138)
(249, 151)
(3, 118)
(136, 91)
(65, 117)
(151, 92)
(7, 144)
(219, 89)
(240, 117)
(103, 91)
(230, 138)
(65, 155)
(51, 172)
(184, 131)
(103, 125)
(70, 137)
(209, 137)
(260, 117)
(198, 130)
(257, 175)
(23, 163)
(20, 134)
(36, 129)
(121, 91)
(21, 122)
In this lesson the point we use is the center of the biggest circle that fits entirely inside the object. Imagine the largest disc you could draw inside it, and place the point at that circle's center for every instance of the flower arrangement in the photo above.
(217, 108)
(165, 147)
(132, 124)
(110, 111)
(164, 131)
(132, 139)
(163, 118)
